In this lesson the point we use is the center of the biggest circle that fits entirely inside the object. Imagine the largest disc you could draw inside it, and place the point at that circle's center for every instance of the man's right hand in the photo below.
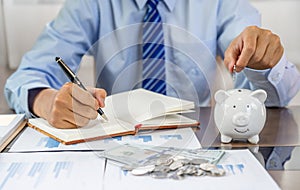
(69, 107)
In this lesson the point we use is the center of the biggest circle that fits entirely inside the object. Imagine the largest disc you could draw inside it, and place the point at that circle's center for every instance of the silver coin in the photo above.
(184, 161)
(199, 172)
(198, 161)
(160, 161)
(183, 167)
(169, 162)
(176, 176)
(142, 170)
(164, 161)
(159, 175)
(162, 168)
(180, 172)
(179, 157)
(190, 170)
(217, 172)
(175, 165)
(207, 166)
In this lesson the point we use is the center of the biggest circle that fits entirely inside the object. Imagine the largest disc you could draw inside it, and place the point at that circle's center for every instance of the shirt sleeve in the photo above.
(32, 93)
(69, 36)
(281, 83)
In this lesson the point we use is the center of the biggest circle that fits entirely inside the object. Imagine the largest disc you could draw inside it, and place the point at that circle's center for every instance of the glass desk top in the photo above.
(278, 149)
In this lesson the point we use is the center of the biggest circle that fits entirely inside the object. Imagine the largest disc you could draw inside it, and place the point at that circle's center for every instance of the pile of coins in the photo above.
(176, 167)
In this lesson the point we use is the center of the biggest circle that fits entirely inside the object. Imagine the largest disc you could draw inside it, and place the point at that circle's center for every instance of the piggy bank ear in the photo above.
(260, 94)
(221, 96)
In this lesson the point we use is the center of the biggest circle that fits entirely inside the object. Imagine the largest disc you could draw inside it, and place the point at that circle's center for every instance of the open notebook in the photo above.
(128, 113)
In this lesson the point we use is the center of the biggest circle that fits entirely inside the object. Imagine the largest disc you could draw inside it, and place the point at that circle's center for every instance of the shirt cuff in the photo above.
(273, 75)
(32, 93)
(277, 72)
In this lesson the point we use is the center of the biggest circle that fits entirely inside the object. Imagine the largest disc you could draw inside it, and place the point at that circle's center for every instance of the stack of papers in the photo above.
(48, 171)
(243, 171)
(10, 126)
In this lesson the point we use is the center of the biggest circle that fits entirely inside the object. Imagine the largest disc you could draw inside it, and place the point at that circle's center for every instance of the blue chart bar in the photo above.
(232, 169)
(50, 143)
(125, 172)
(60, 166)
(145, 138)
(35, 169)
(119, 138)
(241, 167)
(11, 171)
(167, 137)
(37, 172)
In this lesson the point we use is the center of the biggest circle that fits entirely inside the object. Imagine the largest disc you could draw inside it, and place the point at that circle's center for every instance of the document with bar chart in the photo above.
(51, 171)
(31, 140)
(243, 171)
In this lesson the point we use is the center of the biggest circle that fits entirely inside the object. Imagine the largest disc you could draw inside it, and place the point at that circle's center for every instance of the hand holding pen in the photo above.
(74, 79)
(70, 106)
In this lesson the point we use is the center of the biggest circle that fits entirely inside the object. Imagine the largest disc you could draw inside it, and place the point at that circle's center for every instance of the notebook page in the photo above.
(138, 105)
(96, 128)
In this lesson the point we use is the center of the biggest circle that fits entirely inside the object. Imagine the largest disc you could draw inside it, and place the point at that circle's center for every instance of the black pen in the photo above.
(74, 79)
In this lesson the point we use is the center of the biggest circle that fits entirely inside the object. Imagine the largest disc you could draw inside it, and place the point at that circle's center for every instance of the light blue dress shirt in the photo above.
(110, 30)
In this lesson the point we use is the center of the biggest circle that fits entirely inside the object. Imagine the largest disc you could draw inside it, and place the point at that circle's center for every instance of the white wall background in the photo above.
(283, 18)
(24, 21)
(3, 60)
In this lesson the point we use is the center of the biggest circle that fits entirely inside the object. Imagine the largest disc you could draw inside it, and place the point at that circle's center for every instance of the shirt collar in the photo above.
(169, 3)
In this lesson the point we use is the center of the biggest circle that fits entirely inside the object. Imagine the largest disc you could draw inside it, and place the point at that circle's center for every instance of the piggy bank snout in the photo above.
(241, 119)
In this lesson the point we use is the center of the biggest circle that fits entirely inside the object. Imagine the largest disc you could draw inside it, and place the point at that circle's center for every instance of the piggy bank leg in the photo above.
(254, 139)
(225, 139)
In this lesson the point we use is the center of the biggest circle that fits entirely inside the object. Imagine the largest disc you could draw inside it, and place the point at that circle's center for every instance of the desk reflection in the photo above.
(276, 157)
(280, 129)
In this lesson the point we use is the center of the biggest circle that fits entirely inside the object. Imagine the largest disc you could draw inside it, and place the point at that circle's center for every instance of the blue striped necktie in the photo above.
(153, 50)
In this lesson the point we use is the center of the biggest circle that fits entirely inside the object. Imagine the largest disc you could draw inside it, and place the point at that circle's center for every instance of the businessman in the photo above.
(129, 39)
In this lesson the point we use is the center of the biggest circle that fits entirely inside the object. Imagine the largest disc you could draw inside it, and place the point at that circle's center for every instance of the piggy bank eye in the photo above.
(248, 106)
(234, 106)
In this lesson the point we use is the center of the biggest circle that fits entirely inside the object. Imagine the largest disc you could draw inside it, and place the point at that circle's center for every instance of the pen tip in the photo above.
(104, 117)
(57, 58)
